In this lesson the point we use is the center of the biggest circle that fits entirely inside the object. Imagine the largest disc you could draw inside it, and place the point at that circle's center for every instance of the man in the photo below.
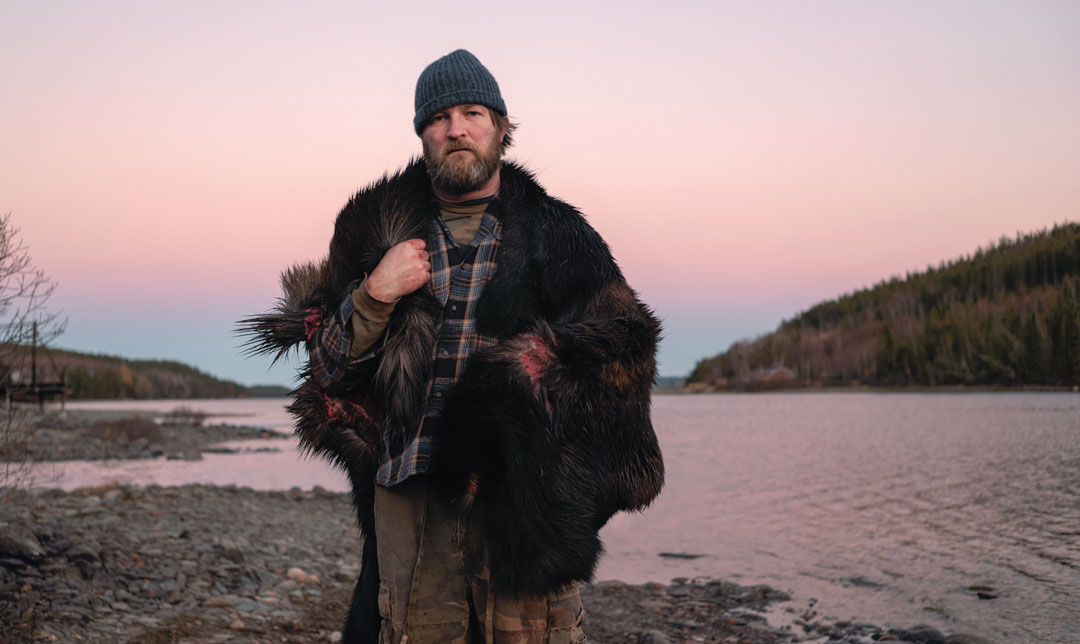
(476, 354)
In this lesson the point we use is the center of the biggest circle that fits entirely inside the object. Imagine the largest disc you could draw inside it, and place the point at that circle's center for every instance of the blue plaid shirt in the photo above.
(405, 451)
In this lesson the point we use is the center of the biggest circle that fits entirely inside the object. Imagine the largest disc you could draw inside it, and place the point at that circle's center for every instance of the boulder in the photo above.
(17, 540)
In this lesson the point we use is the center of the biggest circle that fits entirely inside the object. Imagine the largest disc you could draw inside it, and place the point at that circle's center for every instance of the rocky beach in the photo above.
(199, 563)
(86, 435)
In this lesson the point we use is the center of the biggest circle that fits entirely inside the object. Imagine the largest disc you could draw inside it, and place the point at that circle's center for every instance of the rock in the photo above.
(220, 450)
(655, 637)
(964, 638)
(919, 634)
(83, 553)
(334, 637)
(296, 574)
(17, 539)
(222, 601)
(610, 586)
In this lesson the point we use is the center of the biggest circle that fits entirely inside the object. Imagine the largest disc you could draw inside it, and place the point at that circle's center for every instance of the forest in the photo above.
(94, 376)
(1007, 315)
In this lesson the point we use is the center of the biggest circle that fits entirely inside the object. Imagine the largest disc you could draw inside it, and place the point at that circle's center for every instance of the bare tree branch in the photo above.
(24, 318)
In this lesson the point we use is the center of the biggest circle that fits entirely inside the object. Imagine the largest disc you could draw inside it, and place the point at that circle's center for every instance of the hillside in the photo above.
(1008, 315)
(103, 376)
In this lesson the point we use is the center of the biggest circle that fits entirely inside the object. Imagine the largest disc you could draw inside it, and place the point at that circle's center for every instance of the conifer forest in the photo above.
(1007, 315)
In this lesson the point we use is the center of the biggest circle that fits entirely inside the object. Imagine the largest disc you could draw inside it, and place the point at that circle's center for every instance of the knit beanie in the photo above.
(455, 79)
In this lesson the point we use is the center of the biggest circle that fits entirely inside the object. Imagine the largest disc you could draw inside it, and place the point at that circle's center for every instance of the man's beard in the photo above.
(461, 176)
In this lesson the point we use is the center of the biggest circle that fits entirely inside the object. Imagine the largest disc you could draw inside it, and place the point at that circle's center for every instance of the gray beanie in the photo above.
(455, 79)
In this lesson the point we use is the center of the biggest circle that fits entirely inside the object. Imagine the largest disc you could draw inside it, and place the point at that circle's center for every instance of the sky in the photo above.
(744, 160)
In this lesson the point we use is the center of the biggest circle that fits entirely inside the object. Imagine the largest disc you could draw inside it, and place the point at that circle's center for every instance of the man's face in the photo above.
(462, 148)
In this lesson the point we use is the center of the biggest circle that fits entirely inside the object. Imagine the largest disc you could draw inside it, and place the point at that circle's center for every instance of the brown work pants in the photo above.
(434, 580)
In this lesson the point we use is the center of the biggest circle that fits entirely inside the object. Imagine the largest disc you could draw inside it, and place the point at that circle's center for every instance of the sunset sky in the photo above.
(744, 160)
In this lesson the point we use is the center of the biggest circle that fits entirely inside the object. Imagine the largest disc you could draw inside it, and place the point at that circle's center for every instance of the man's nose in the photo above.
(457, 127)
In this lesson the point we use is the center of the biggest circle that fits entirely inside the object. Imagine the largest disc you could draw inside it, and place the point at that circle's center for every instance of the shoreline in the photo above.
(827, 389)
(200, 563)
(180, 590)
(90, 435)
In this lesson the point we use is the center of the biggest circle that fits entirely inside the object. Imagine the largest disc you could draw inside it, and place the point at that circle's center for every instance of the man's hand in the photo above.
(403, 269)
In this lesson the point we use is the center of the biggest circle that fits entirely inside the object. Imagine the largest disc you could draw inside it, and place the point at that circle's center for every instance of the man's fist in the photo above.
(403, 269)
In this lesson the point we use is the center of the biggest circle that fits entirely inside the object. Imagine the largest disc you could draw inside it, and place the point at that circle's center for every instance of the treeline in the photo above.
(91, 376)
(1008, 315)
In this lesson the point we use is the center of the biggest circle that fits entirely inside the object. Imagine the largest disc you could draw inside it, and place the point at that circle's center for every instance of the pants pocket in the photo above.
(564, 609)
(565, 613)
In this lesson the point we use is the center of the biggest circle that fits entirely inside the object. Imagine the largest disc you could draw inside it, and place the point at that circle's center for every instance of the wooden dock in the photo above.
(13, 387)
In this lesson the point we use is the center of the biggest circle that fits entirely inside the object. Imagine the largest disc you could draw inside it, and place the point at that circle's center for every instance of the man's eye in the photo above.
(438, 117)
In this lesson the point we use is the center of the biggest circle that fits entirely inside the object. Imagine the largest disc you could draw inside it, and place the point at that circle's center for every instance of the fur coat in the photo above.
(554, 419)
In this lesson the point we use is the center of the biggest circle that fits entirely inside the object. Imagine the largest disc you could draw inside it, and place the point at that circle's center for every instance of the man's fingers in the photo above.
(415, 243)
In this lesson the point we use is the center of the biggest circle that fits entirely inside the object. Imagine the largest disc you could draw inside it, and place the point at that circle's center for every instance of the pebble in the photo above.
(296, 574)
(655, 637)
(920, 634)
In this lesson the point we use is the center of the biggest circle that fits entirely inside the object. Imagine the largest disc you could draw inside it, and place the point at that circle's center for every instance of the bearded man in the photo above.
(481, 370)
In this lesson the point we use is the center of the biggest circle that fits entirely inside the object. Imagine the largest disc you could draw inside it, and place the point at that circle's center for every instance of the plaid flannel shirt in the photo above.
(405, 451)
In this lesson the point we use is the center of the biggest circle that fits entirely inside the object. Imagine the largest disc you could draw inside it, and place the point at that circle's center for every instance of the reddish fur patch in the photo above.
(345, 411)
(312, 322)
(536, 358)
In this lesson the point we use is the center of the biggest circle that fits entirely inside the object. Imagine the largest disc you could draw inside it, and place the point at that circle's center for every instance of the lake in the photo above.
(878, 507)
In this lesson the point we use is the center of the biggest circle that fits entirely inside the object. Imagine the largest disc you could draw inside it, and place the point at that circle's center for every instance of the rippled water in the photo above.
(884, 507)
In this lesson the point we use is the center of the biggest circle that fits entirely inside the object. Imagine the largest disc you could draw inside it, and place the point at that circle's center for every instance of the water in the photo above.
(261, 471)
(884, 507)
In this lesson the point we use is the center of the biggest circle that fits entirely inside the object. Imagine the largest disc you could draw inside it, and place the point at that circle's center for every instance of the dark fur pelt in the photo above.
(554, 419)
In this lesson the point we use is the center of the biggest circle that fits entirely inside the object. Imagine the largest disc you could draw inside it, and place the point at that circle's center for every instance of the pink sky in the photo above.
(744, 159)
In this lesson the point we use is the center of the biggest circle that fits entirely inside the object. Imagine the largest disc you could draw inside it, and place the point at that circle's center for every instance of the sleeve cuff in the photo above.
(368, 307)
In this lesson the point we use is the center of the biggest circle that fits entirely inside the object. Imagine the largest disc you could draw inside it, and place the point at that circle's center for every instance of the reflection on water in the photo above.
(885, 507)
(277, 470)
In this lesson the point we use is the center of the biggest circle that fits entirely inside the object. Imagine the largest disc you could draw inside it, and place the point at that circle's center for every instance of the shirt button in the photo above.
(438, 394)
(453, 307)
(444, 353)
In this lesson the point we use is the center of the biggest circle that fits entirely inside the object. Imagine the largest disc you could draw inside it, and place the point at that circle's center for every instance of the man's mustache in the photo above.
(454, 147)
